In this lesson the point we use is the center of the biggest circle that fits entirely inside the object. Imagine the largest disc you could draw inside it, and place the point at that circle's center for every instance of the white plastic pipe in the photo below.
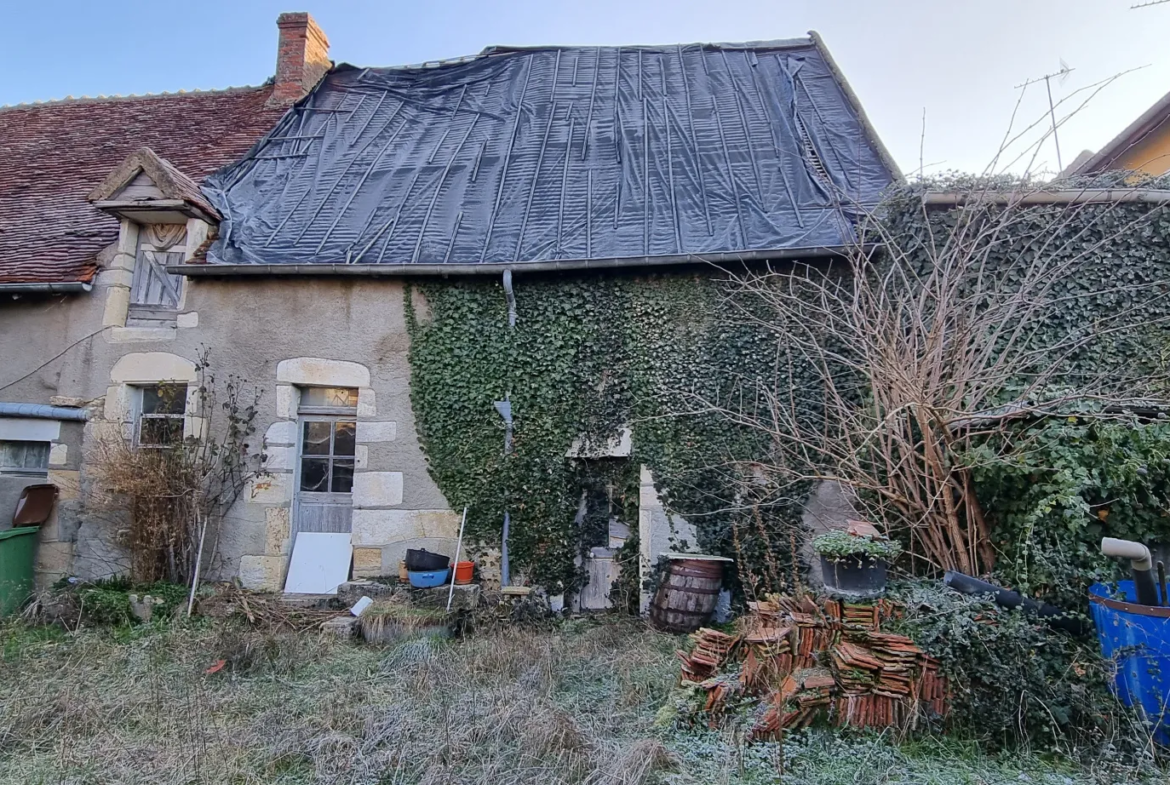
(455, 565)
(1128, 549)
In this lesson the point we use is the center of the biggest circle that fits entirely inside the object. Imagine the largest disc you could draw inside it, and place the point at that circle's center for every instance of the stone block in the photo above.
(382, 527)
(142, 334)
(318, 372)
(351, 591)
(285, 406)
(441, 524)
(463, 598)
(58, 455)
(196, 427)
(115, 277)
(279, 459)
(277, 531)
(367, 562)
(54, 557)
(262, 573)
(117, 306)
(186, 321)
(152, 367)
(281, 433)
(367, 403)
(71, 401)
(377, 489)
(648, 498)
(345, 627)
(270, 490)
(369, 432)
(375, 528)
(128, 240)
(68, 484)
(361, 457)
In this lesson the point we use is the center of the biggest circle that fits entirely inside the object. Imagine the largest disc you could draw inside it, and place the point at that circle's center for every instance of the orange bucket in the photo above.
(464, 572)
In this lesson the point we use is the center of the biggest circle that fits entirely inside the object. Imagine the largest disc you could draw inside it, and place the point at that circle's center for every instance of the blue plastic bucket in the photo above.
(1137, 639)
(425, 580)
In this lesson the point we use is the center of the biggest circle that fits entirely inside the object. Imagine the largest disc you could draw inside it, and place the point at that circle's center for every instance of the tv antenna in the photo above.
(1148, 4)
(1060, 77)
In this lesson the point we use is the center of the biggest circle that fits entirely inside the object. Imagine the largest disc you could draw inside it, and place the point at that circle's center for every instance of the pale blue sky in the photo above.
(957, 60)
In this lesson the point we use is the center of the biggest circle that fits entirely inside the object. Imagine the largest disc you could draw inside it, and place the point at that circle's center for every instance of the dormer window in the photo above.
(170, 217)
(154, 293)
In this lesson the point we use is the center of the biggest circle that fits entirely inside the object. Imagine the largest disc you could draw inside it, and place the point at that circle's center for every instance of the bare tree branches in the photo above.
(950, 332)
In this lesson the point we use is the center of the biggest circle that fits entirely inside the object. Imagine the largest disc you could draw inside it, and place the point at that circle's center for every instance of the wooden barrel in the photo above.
(687, 595)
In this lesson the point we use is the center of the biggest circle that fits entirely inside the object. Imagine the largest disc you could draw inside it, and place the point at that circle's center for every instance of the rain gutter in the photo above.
(1065, 197)
(68, 287)
(498, 268)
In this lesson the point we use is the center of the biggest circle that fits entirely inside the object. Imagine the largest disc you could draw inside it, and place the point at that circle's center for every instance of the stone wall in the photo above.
(275, 333)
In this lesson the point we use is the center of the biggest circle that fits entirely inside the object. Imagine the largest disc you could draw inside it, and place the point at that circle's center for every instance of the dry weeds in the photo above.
(514, 706)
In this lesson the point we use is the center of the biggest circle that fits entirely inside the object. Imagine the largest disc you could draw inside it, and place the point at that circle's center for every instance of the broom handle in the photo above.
(458, 549)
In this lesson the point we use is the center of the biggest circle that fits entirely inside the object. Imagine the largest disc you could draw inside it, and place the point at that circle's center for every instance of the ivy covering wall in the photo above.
(593, 352)
(588, 355)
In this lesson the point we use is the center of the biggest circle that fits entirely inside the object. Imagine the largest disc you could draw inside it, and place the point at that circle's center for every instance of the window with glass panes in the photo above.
(24, 457)
(161, 411)
(328, 439)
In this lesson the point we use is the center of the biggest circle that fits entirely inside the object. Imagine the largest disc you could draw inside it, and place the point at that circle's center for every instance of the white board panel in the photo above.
(320, 563)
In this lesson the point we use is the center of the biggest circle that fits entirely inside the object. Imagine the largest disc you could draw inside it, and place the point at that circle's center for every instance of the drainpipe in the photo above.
(1141, 565)
(510, 296)
(504, 407)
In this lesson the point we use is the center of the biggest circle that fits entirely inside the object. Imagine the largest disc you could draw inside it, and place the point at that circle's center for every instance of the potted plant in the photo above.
(854, 565)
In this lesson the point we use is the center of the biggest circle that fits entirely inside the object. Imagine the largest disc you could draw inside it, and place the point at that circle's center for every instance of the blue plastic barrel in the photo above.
(1137, 638)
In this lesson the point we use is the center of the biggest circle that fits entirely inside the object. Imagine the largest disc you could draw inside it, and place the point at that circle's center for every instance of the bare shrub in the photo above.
(939, 339)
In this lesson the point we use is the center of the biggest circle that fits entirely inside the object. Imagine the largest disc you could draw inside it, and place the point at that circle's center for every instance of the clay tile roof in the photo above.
(53, 155)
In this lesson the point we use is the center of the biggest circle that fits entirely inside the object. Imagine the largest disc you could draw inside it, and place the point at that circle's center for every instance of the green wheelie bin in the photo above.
(18, 549)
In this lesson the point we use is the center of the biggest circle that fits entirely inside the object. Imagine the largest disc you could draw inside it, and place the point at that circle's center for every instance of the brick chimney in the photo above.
(302, 58)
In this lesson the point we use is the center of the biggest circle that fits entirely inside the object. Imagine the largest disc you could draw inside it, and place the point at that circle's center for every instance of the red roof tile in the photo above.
(52, 155)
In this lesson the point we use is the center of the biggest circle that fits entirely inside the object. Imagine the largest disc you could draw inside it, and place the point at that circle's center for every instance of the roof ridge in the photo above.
(506, 49)
(92, 99)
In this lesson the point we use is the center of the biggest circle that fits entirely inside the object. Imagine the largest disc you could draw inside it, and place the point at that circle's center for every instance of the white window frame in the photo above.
(139, 415)
(331, 414)
(24, 471)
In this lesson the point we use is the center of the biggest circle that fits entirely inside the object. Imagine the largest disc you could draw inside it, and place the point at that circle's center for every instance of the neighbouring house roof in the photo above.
(53, 154)
(1152, 120)
(564, 155)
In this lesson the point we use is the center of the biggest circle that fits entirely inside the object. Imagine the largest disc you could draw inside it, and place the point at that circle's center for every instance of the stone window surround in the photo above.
(119, 276)
(372, 489)
(275, 491)
(134, 371)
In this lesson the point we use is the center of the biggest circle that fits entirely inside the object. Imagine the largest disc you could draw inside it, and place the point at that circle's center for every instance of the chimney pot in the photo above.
(302, 58)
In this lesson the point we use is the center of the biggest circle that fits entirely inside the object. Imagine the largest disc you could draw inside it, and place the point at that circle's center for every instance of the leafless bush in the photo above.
(936, 340)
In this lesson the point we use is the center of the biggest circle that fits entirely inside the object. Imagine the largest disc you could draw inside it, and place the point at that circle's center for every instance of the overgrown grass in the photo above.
(572, 705)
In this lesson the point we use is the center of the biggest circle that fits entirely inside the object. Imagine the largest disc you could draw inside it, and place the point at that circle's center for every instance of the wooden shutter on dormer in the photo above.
(153, 286)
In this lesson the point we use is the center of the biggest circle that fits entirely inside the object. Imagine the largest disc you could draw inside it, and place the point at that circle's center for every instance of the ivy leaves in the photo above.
(589, 354)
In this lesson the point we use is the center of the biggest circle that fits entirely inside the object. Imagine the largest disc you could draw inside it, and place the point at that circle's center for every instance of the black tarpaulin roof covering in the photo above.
(574, 153)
